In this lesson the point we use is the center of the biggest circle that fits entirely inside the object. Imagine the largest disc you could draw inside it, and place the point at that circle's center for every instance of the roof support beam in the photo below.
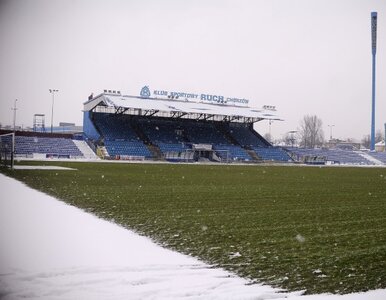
(150, 113)
(153, 113)
(208, 117)
(181, 115)
(177, 114)
(120, 110)
(199, 116)
(103, 108)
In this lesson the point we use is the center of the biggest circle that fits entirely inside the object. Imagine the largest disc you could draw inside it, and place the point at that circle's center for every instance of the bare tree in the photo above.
(366, 140)
(378, 136)
(289, 139)
(311, 132)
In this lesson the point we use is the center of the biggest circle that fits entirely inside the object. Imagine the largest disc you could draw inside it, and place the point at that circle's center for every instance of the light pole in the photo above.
(14, 115)
(330, 131)
(292, 132)
(52, 111)
(374, 17)
(14, 132)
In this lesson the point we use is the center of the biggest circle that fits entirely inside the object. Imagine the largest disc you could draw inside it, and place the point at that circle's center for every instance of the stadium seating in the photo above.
(250, 139)
(232, 152)
(127, 135)
(337, 156)
(204, 133)
(119, 136)
(174, 136)
(163, 131)
(381, 156)
(272, 153)
(129, 148)
(27, 145)
(114, 127)
(246, 137)
(166, 134)
(173, 147)
(207, 133)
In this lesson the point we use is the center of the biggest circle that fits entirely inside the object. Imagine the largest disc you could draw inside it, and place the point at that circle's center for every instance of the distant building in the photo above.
(380, 147)
(343, 145)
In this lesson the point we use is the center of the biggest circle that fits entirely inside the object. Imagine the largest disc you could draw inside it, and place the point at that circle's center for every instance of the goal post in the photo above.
(7, 149)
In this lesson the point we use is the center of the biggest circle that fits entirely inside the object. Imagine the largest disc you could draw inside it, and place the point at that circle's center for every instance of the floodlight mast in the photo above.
(374, 17)
(331, 130)
(52, 91)
(14, 133)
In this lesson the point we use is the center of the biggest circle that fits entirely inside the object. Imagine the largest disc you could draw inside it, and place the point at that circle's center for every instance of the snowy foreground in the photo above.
(50, 250)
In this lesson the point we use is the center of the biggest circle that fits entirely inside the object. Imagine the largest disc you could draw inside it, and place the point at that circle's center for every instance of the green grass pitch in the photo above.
(318, 229)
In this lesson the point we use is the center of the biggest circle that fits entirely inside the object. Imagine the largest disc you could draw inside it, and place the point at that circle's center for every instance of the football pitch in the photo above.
(318, 229)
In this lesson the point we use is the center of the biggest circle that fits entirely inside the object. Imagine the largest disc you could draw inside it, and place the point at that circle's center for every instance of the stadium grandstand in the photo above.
(173, 127)
(176, 129)
(40, 145)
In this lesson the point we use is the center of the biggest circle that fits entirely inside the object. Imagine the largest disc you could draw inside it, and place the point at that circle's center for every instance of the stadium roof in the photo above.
(133, 105)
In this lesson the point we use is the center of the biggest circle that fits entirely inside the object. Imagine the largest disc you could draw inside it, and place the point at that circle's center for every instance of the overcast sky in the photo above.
(303, 56)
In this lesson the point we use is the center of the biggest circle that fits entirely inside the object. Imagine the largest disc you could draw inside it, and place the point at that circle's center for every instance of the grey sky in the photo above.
(303, 56)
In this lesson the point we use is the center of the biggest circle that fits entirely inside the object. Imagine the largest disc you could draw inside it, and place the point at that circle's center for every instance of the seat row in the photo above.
(46, 145)
(171, 135)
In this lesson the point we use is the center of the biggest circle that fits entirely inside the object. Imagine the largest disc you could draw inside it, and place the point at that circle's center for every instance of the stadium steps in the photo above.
(155, 151)
(102, 152)
(292, 155)
(139, 132)
(253, 155)
(85, 149)
(370, 158)
(185, 137)
(263, 140)
(227, 134)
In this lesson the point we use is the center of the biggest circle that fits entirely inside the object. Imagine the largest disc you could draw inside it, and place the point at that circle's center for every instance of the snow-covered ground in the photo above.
(50, 250)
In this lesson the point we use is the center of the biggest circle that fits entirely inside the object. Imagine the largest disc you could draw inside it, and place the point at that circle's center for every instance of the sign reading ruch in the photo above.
(218, 99)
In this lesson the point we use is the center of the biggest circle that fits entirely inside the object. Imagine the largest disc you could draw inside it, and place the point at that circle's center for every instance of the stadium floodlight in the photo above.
(52, 91)
(374, 19)
(13, 135)
(331, 131)
(14, 115)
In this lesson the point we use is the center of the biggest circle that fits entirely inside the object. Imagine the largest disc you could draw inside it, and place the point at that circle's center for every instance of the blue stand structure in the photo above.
(374, 17)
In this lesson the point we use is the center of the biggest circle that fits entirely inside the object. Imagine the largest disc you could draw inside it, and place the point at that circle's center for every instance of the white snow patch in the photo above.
(50, 250)
(300, 238)
(234, 255)
(20, 167)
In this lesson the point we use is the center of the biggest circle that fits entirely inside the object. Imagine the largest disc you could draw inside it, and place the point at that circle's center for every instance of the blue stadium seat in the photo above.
(131, 148)
(334, 155)
(272, 153)
(246, 136)
(119, 136)
(233, 152)
(26, 145)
